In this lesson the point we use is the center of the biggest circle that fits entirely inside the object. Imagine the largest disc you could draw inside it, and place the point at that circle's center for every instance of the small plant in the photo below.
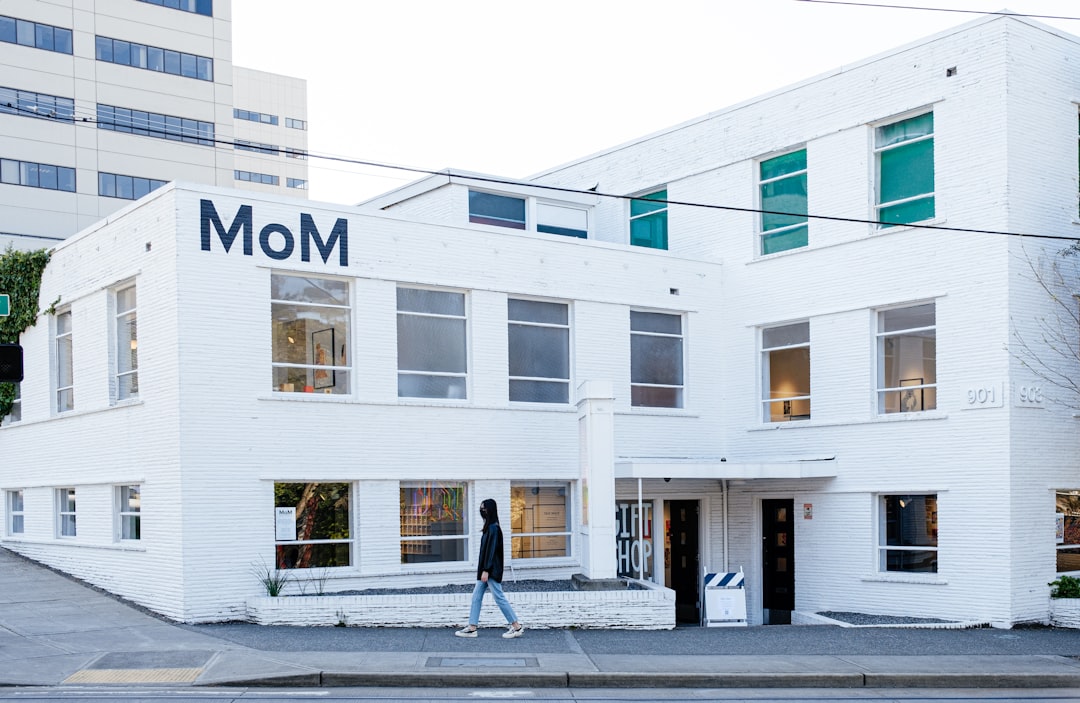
(1065, 587)
(270, 577)
(318, 580)
(342, 619)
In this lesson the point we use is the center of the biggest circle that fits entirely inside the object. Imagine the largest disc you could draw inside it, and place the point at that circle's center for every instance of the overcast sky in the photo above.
(512, 87)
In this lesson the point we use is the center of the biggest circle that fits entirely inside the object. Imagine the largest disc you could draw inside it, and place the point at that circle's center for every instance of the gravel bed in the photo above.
(510, 586)
(867, 619)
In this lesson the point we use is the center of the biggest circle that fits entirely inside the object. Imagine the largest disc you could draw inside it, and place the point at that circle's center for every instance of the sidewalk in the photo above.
(56, 631)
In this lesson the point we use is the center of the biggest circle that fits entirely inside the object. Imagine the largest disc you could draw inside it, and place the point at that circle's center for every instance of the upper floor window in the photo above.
(252, 116)
(560, 219)
(648, 220)
(34, 175)
(1068, 529)
(35, 34)
(291, 153)
(656, 360)
(499, 210)
(293, 123)
(252, 177)
(298, 183)
(908, 533)
(310, 334)
(16, 524)
(257, 147)
(26, 103)
(65, 512)
(522, 212)
(313, 525)
(785, 368)
(127, 345)
(907, 359)
(782, 189)
(115, 185)
(904, 152)
(152, 58)
(153, 124)
(539, 519)
(200, 7)
(65, 381)
(433, 522)
(129, 512)
(431, 344)
(539, 351)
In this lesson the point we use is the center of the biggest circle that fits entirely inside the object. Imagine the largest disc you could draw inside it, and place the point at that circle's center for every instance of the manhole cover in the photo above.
(482, 662)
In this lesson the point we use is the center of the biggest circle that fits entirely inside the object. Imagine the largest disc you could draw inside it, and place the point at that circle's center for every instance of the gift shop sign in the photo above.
(276, 240)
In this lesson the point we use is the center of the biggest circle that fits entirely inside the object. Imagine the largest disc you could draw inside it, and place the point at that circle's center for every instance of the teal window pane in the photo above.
(787, 195)
(782, 241)
(906, 171)
(783, 165)
(911, 211)
(642, 206)
(905, 130)
(649, 231)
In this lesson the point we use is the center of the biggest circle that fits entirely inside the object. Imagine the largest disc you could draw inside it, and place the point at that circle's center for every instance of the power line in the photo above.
(450, 175)
(940, 9)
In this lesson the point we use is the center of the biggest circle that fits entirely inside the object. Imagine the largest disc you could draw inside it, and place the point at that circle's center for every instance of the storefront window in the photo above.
(310, 332)
(909, 533)
(433, 524)
(634, 545)
(539, 520)
(1068, 530)
(312, 525)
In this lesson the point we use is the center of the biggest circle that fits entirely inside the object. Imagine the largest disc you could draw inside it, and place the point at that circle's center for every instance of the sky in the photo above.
(513, 87)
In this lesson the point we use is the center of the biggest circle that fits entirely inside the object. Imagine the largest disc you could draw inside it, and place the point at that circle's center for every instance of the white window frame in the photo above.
(467, 524)
(124, 512)
(350, 541)
(878, 150)
(126, 346)
(66, 507)
(879, 343)
(312, 370)
(766, 379)
(533, 221)
(64, 352)
(565, 382)
(882, 546)
(804, 172)
(16, 508)
(680, 389)
(464, 317)
(664, 210)
(568, 494)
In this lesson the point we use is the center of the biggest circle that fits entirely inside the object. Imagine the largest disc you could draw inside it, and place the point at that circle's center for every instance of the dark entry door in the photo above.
(778, 560)
(683, 538)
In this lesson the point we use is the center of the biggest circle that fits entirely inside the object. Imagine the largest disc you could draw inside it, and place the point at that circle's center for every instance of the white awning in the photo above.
(816, 467)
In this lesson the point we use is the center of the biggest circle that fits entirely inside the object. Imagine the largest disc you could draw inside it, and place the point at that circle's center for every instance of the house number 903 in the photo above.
(1031, 395)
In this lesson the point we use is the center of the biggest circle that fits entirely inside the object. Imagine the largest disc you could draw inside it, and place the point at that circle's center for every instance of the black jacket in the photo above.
(491, 553)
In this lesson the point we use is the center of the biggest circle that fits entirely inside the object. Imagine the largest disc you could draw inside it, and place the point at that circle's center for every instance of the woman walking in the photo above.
(489, 573)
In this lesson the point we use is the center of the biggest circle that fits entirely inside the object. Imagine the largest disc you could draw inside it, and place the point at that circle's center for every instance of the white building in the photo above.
(834, 406)
(103, 101)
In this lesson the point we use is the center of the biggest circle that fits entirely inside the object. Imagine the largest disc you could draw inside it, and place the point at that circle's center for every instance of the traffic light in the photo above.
(11, 363)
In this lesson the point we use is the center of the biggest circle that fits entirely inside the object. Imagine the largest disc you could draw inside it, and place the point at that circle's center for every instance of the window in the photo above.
(907, 359)
(656, 360)
(35, 34)
(114, 185)
(26, 103)
(648, 220)
(298, 183)
(539, 351)
(65, 512)
(252, 177)
(252, 116)
(127, 345)
(65, 384)
(431, 344)
(559, 219)
(128, 512)
(16, 518)
(310, 330)
(16, 407)
(539, 519)
(1068, 530)
(152, 124)
(498, 210)
(257, 147)
(433, 524)
(128, 53)
(904, 153)
(201, 7)
(312, 525)
(907, 540)
(32, 175)
(785, 368)
(293, 123)
(782, 189)
(291, 153)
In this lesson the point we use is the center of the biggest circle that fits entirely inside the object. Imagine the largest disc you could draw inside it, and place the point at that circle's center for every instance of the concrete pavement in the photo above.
(57, 631)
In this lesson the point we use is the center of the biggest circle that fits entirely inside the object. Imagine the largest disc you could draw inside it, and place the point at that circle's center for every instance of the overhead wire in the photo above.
(939, 9)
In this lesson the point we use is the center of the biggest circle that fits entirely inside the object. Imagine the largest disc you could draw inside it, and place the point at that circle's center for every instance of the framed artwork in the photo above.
(322, 354)
(911, 400)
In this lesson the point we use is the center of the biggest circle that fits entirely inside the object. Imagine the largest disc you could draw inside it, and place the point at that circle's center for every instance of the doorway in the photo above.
(777, 561)
(681, 555)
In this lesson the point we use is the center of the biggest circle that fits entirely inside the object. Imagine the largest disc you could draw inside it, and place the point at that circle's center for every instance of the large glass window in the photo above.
(539, 351)
(310, 332)
(153, 124)
(904, 153)
(115, 185)
(907, 359)
(252, 116)
(65, 512)
(656, 360)
(201, 7)
(560, 219)
(16, 517)
(499, 210)
(648, 220)
(129, 53)
(908, 534)
(26, 103)
(782, 188)
(35, 34)
(312, 525)
(35, 175)
(129, 512)
(254, 177)
(1068, 529)
(432, 357)
(785, 368)
(433, 522)
(539, 519)
(65, 377)
(127, 344)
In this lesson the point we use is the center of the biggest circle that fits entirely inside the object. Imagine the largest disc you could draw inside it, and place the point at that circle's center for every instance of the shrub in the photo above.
(1065, 587)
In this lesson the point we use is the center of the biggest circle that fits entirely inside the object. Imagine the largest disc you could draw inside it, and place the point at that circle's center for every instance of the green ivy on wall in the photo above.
(20, 278)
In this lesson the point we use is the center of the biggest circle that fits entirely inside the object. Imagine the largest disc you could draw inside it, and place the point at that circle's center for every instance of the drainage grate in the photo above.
(483, 662)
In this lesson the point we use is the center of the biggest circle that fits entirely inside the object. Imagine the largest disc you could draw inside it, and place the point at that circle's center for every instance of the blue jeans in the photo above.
(500, 600)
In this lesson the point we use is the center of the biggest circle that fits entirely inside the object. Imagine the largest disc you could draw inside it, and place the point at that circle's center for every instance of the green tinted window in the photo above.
(905, 161)
(783, 202)
(648, 220)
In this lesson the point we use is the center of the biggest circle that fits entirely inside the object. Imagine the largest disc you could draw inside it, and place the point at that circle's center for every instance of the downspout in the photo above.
(724, 490)
(641, 533)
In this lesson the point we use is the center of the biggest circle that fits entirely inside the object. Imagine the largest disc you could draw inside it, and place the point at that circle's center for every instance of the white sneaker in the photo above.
(512, 633)
(466, 632)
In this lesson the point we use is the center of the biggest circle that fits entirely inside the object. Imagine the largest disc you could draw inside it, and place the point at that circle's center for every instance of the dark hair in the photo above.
(491, 512)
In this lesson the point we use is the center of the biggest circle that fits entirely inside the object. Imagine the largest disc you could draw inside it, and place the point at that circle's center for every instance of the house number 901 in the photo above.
(981, 396)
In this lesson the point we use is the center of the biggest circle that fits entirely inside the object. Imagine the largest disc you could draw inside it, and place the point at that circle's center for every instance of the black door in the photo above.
(778, 561)
(685, 573)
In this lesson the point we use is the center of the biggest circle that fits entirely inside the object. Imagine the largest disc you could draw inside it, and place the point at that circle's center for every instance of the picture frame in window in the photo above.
(322, 354)
(911, 400)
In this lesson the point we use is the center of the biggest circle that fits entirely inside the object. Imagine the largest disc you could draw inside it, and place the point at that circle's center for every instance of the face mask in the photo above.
(483, 513)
